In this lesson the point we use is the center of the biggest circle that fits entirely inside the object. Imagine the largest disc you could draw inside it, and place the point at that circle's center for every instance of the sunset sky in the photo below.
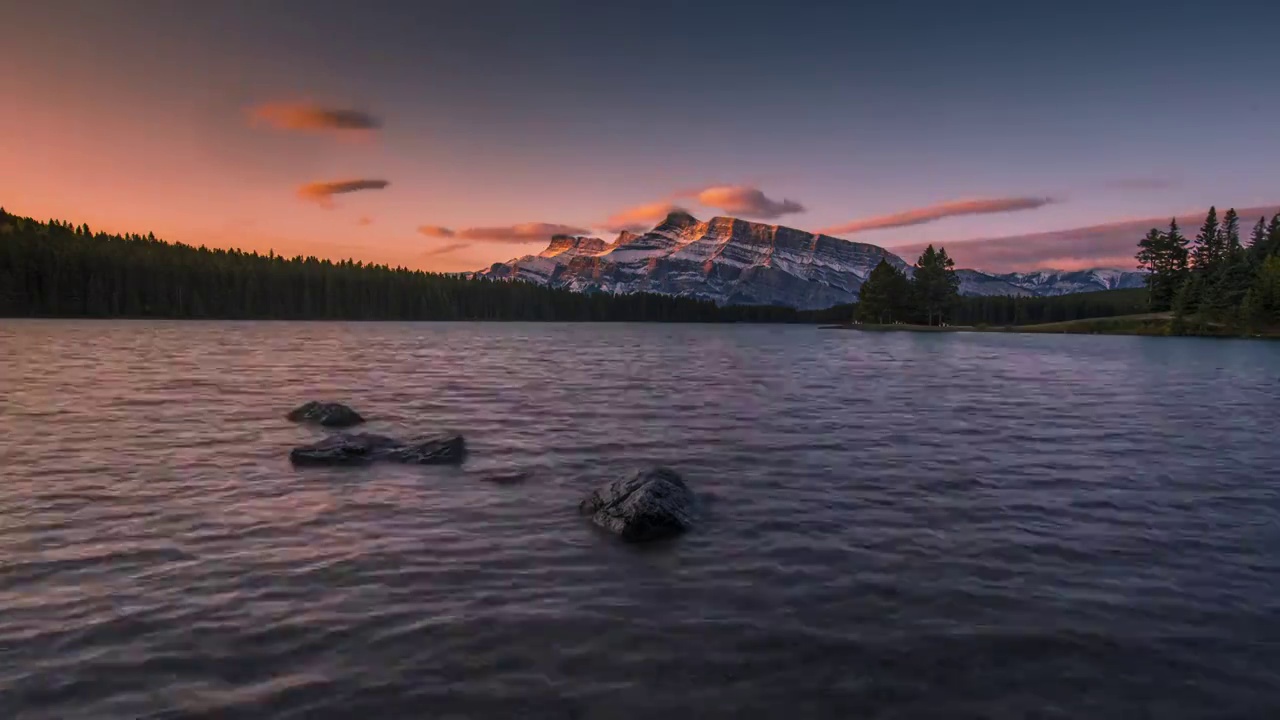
(449, 135)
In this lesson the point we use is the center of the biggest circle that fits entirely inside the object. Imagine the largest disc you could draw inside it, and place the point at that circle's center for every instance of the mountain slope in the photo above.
(729, 261)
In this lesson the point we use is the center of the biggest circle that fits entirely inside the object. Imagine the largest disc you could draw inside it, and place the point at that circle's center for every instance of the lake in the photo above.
(899, 525)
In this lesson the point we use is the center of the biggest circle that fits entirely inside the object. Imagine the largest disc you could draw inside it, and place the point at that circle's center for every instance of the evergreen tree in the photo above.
(1264, 296)
(1273, 236)
(1258, 241)
(1205, 252)
(1230, 241)
(885, 296)
(935, 284)
(1164, 257)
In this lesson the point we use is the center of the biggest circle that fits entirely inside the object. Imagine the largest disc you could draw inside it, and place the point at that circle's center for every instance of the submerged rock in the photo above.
(361, 448)
(647, 505)
(434, 450)
(327, 414)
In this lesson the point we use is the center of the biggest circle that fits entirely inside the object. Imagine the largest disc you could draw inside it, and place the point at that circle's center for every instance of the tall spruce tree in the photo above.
(1230, 241)
(1273, 236)
(935, 283)
(1150, 248)
(1205, 252)
(1258, 241)
(885, 297)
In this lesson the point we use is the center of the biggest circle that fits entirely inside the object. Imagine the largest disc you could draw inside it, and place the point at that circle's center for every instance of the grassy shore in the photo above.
(1153, 324)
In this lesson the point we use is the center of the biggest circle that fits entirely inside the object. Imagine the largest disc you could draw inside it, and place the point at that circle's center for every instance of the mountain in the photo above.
(729, 261)
(737, 262)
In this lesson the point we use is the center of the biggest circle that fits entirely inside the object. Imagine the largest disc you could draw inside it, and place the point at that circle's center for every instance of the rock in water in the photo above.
(343, 449)
(361, 448)
(326, 414)
(647, 505)
(434, 450)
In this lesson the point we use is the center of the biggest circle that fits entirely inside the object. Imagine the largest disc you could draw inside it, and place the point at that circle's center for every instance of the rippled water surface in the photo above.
(900, 525)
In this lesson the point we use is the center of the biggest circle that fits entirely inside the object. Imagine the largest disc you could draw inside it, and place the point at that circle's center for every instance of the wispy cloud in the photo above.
(521, 233)
(640, 218)
(1108, 245)
(322, 192)
(1143, 183)
(309, 117)
(446, 249)
(931, 213)
(745, 201)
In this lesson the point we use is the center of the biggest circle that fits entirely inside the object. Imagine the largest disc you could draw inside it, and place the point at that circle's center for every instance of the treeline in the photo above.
(55, 269)
(1215, 284)
(1005, 310)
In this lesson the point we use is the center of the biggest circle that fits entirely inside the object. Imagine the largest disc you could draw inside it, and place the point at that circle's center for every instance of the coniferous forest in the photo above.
(1213, 283)
(55, 269)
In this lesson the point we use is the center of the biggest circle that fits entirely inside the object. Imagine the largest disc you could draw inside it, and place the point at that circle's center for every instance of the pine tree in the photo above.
(884, 297)
(1230, 241)
(1264, 296)
(1150, 258)
(1205, 253)
(1258, 241)
(1273, 236)
(935, 284)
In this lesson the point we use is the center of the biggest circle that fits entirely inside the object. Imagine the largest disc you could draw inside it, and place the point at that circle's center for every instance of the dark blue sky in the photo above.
(500, 113)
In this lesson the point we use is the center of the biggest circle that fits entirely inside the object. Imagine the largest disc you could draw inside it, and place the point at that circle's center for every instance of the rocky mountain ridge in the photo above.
(738, 262)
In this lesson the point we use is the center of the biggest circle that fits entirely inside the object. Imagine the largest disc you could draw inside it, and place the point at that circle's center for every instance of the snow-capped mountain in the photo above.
(737, 262)
(1063, 282)
(729, 261)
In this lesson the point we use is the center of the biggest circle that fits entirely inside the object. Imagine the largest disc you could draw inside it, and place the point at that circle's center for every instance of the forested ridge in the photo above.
(56, 269)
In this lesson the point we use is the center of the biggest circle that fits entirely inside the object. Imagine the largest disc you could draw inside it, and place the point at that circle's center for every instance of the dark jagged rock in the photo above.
(343, 449)
(327, 414)
(362, 448)
(434, 450)
(647, 505)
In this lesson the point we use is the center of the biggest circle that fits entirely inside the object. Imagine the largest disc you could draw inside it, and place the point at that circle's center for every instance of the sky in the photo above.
(450, 135)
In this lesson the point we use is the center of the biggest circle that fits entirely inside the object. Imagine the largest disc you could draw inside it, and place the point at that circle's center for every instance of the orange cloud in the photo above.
(435, 231)
(920, 216)
(301, 116)
(446, 249)
(521, 233)
(640, 218)
(746, 202)
(364, 220)
(322, 192)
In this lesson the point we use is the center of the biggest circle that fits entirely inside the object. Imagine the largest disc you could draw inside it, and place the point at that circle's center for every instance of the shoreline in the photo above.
(1144, 325)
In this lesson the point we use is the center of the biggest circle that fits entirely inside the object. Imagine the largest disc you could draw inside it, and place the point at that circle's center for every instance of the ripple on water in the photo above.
(900, 526)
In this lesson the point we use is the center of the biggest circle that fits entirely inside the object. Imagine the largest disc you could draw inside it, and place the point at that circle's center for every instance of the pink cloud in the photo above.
(1107, 245)
(931, 213)
(520, 233)
(446, 249)
(309, 117)
(745, 201)
(640, 218)
(322, 192)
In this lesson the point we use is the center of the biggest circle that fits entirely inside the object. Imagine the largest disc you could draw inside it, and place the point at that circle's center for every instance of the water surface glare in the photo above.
(900, 525)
